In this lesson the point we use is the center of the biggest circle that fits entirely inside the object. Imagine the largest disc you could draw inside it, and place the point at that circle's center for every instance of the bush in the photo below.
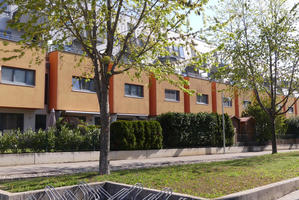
(181, 130)
(91, 137)
(292, 126)
(130, 135)
(122, 136)
(9, 141)
(229, 131)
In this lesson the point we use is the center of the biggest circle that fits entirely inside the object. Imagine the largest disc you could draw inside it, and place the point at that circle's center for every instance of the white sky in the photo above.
(196, 21)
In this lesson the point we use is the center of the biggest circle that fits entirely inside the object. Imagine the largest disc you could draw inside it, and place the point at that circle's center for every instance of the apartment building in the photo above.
(29, 90)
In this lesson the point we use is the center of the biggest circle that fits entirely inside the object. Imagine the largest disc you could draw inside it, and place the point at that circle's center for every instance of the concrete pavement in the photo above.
(291, 196)
(30, 171)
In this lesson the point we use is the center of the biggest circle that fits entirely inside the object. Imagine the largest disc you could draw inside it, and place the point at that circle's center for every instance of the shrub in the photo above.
(229, 131)
(182, 130)
(9, 141)
(155, 137)
(292, 126)
(26, 140)
(91, 137)
(122, 136)
(129, 135)
(139, 132)
(68, 139)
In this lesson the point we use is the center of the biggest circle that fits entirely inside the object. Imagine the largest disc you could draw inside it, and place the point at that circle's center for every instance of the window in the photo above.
(172, 95)
(18, 76)
(227, 102)
(246, 104)
(133, 90)
(291, 110)
(97, 121)
(177, 51)
(83, 84)
(40, 122)
(9, 121)
(202, 99)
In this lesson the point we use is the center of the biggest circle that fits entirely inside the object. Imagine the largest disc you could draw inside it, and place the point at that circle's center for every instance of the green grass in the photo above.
(208, 180)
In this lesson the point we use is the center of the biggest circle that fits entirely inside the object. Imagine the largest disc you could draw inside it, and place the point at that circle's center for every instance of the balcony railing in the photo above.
(9, 36)
(67, 49)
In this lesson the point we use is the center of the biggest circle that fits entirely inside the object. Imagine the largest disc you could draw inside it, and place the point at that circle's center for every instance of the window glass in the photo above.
(172, 95)
(75, 84)
(40, 122)
(291, 110)
(19, 76)
(133, 90)
(227, 102)
(203, 99)
(30, 78)
(181, 52)
(246, 104)
(7, 74)
(83, 84)
(9, 121)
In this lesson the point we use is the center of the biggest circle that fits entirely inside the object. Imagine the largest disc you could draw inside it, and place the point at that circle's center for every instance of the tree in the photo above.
(98, 29)
(263, 123)
(260, 51)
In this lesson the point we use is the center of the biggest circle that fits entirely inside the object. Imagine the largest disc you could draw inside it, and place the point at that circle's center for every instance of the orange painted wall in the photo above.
(64, 66)
(244, 96)
(226, 93)
(202, 87)
(130, 105)
(23, 96)
(163, 105)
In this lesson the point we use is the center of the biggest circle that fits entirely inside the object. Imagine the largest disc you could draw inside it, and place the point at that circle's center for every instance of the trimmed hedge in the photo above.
(293, 126)
(188, 130)
(55, 139)
(135, 135)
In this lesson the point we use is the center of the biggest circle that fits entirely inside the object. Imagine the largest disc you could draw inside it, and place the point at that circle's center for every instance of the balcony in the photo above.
(9, 36)
(68, 49)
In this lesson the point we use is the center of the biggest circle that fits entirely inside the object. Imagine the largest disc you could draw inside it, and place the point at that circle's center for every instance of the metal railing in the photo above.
(67, 49)
(84, 191)
(9, 36)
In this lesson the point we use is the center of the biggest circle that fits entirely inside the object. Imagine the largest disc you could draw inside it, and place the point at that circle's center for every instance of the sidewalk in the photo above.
(29, 171)
(291, 196)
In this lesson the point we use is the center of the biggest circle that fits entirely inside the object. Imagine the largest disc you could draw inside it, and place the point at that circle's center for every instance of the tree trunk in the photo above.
(274, 145)
(105, 130)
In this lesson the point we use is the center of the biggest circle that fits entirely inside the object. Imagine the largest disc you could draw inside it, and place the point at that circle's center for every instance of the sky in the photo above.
(196, 21)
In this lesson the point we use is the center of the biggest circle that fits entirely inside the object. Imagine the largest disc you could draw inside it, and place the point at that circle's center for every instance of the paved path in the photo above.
(26, 171)
(291, 196)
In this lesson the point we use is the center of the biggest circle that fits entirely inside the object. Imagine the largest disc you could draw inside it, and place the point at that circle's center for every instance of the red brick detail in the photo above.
(214, 97)
(152, 96)
(237, 111)
(186, 98)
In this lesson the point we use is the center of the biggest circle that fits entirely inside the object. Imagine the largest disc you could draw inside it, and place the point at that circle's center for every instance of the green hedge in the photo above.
(293, 126)
(133, 135)
(61, 138)
(181, 130)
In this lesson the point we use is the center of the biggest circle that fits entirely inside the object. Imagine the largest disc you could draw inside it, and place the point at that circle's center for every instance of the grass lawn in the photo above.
(208, 180)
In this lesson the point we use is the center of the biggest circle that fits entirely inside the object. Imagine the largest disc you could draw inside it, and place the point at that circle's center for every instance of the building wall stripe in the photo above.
(53, 79)
(237, 110)
(152, 95)
(214, 97)
(186, 97)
